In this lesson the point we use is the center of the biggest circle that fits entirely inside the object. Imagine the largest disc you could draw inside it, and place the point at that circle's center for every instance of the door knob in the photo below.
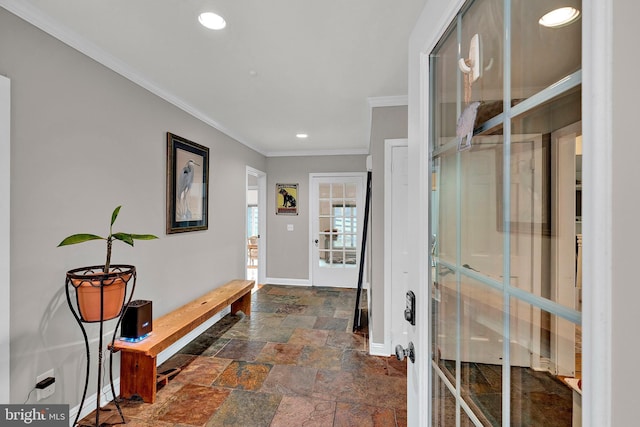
(409, 352)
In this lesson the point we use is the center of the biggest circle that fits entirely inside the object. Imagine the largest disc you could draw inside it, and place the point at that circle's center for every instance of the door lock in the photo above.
(410, 310)
(409, 352)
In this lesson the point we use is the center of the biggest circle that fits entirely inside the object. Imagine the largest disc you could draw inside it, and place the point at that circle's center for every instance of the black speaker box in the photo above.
(137, 319)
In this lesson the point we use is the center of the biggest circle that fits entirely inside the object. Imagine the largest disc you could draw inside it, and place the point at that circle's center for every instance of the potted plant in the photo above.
(101, 289)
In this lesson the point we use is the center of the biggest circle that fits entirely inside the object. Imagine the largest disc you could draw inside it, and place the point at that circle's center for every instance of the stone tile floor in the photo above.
(293, 362)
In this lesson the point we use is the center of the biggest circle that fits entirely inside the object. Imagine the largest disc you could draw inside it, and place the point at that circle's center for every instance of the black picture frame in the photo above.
(187, 185)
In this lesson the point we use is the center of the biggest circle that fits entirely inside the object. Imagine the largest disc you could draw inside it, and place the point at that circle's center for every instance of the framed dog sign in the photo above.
(286, 199)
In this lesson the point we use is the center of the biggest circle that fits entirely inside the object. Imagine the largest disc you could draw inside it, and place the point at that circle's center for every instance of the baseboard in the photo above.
(176, 346)
(378, 349)
(90, 401)
(289, 282)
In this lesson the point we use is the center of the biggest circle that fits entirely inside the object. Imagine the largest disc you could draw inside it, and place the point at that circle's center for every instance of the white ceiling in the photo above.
(279, 68)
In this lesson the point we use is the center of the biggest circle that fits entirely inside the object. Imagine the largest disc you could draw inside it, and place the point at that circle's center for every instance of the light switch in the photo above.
(289, 227)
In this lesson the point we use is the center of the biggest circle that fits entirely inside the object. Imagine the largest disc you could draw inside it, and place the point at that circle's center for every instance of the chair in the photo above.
(252, 250)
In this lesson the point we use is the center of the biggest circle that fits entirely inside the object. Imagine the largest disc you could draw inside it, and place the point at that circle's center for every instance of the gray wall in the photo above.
(288, 251)
(386, 123)
(84, 140)
(625, 287)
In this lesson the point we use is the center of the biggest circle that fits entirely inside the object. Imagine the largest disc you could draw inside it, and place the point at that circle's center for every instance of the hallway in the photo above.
(293, 362)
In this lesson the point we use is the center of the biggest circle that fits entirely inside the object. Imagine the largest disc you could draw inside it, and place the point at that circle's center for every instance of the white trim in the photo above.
(431, 25)
(5, 239)
(287, 282)
(262, 221)
(90, 402)
(389, 144)
(388, 101)
(176, 346)
(597, 121)
(346, 152)
(378, 349)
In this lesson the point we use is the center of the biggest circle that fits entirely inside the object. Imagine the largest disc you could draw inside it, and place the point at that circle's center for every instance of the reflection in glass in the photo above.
(531, 72)
(555, 348)
(544, 195)
(506, 219)
(337, 237)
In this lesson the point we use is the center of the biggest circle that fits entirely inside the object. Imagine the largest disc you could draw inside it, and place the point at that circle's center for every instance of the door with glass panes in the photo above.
(504, 135)
(336, 218)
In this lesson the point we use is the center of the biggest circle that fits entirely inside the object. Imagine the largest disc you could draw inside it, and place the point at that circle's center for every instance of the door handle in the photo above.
(409, 352)
(316, 242)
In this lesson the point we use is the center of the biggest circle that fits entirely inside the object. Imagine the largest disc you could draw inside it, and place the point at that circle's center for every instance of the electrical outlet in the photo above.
(48, 391)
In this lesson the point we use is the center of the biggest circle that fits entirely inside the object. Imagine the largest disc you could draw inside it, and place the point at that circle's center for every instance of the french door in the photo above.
(505, 321)
(336, 207)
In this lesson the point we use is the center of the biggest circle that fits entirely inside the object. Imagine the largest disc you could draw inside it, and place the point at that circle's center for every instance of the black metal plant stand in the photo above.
(95, 277)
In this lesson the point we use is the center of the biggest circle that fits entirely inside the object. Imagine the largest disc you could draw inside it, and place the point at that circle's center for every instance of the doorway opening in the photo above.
(255, 236)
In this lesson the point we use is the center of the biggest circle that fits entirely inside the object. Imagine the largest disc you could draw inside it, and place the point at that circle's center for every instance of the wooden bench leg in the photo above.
(138, 376)
(243, 305)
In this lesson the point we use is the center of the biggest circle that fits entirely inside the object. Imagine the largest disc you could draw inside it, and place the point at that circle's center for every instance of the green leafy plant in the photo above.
(127, 238)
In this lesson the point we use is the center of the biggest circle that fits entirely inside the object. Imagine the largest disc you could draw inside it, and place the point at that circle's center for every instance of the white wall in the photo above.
(625, 238)
(85, 140)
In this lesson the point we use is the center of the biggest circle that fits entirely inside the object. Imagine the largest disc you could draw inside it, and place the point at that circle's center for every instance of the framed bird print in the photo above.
(187, 185)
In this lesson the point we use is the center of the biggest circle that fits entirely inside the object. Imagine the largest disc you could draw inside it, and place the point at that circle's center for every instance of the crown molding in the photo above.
(37, 18)
(388, 101)
(301, 153)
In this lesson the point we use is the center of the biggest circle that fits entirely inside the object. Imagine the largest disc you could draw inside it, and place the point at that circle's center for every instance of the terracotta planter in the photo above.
(90, 282)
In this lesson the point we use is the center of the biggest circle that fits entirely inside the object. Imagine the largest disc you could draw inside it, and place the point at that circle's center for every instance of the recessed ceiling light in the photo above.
(302, 135)
(560, 17)
(212, 21)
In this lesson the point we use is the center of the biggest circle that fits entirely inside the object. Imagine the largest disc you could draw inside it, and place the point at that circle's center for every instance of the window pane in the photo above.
(445, 203)
(541, 390)
(542, 56)
(444, 67)
(545, 184)
(444, 404)
(484, 19)
(482, 242)
(324, 190)
(337, 191)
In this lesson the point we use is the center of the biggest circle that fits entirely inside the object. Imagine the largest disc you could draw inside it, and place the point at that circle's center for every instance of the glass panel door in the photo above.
(505, 217)
(336, 229)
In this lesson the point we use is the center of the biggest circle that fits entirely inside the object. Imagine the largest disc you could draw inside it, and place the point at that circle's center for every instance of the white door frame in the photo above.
(391, 293)
(262, 220)
(313, 196)
(5, 241)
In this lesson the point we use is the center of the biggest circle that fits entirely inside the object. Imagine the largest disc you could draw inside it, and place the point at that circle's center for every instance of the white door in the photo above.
(396, 233)
(5, 179)
(336, 207)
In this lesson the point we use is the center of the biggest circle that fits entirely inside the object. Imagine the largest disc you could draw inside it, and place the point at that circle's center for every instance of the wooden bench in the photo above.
(138, 370)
